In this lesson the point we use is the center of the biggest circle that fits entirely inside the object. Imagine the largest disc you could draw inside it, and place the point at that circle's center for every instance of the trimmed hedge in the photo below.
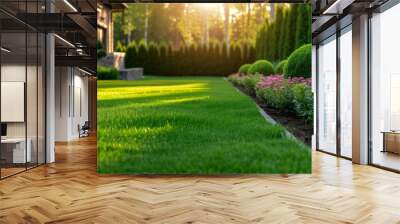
(193, 60)
(244, 69)
(299, 62)
(131, 55)
(280, 67)
(261, 67)
(106, 73)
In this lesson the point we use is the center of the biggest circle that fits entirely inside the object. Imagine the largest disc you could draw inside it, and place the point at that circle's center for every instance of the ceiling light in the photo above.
(65, 41)
(337, 7)
(5, 49)
(86, 72)
(333, 6)
(70, 5)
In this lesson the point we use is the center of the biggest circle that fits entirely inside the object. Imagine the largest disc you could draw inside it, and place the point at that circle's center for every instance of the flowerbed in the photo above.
(291, 96)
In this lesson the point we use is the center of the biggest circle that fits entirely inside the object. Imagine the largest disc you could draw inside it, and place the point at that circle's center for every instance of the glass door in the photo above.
(385, 89)
(327, 95)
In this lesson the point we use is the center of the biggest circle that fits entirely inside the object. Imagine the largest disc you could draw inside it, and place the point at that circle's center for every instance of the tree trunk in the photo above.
(146, 24)
(226, 28)
(248, 22)
(272, 12)
(207, 32)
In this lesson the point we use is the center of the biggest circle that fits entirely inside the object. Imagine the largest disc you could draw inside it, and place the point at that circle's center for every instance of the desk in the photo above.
(16, 147)
(391, 141)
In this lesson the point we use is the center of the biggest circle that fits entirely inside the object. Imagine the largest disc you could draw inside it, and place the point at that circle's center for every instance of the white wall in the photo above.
(71, 102)
(12, 73)
(62, 82)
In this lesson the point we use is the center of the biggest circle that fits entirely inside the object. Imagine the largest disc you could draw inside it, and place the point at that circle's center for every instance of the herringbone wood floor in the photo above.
(70, 191)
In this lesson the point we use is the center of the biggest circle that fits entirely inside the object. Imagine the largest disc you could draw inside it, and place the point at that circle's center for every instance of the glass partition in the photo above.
(346, 92)
(32, 98)
(385, 89)
(22, 89)
(41, 97)
(13, 95)
(327, 95)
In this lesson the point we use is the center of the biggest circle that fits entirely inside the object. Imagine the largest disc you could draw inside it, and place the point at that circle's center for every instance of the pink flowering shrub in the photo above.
(277, 92)
(299, 80)
(291, 95)
(278, 81)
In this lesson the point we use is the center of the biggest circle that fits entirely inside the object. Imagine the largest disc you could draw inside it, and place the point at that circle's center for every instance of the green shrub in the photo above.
(285, 70)
(235, 79)
(303, 101)
(299, 62)
(280, 67)
(187, 60)
(262, 67)
(249, 82)
(99, 45)
(119, 47)
(152, 62)
(101, 53)
(278, 98)
(100, 50)
(244, 68)
(131, 55)
(106, 73)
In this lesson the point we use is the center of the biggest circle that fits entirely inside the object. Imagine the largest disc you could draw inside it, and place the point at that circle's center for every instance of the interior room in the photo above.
(385, 89)
(22, 97)
(72, 112)
(47, 75)
(327, 97)
(358, 68)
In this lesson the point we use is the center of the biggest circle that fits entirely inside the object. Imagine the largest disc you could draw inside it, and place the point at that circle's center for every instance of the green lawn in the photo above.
(189, 125)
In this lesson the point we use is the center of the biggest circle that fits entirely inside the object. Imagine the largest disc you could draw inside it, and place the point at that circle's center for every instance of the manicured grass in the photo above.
(189, 125)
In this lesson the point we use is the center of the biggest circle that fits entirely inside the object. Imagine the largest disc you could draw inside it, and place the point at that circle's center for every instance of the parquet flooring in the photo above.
(70, 191)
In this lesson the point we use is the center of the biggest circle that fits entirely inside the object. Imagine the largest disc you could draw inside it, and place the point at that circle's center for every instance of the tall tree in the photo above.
(278, 33)
(303, 26)
(226, 27)
(290, 36)
(146, 24)
(248, 21)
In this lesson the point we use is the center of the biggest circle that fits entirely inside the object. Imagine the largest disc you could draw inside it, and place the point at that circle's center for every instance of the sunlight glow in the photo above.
(208, 5)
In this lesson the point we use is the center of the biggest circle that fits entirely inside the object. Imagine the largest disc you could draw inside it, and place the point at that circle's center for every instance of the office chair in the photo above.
(84, 130)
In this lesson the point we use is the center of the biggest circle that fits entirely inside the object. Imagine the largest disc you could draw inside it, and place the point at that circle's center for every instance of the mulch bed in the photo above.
(298, 127)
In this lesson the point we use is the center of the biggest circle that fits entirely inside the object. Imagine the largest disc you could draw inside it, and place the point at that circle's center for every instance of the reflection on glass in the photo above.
(31, 101)
(41, 99)
(22, 90)
(346, 94)
(15, 151)
(327, 96)
(385, 84)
